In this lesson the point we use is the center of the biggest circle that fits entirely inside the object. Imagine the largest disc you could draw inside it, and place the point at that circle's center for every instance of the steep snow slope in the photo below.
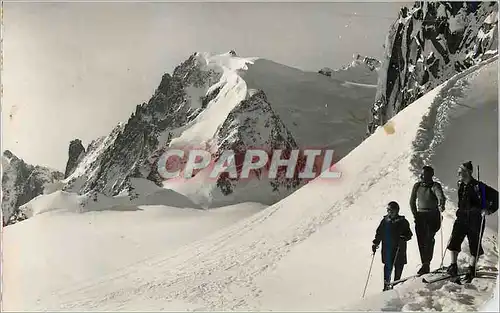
(319, 111)
(301, 252)
(470, 102)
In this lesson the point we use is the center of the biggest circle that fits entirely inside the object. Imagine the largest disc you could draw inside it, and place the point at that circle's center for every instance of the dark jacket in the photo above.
(393, 233)
(427, 197)
(469, 199)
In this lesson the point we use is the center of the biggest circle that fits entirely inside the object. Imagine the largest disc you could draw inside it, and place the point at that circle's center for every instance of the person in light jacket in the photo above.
(427, 201)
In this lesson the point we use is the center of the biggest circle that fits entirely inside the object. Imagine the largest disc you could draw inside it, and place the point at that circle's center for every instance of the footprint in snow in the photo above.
(451, 287)
(465, 299)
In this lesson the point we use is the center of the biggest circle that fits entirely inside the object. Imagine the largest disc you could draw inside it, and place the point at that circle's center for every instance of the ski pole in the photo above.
(480, 228)
(444, 254)
(479, 242)
(369, 272)
(442, 249)
(394, 262)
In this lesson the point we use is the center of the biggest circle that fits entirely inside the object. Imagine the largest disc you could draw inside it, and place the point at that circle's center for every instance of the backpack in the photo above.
(489, 198)
(421, 184)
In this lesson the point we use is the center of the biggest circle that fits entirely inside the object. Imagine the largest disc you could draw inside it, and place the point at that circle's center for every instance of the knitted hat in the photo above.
(467, 166)
(429, 169)
(394, 206)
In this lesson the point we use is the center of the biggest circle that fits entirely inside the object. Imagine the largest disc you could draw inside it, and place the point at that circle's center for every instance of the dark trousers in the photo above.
(426, 226)
(467, 225)
(398, 271)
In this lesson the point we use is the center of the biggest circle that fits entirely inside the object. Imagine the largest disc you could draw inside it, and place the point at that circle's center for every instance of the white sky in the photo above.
(74, 70)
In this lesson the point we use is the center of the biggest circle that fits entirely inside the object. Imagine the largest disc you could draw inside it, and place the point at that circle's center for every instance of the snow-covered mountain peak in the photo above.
(371, 63)
(186, 109)
(200, 100)
(224, 61)
(362, 69)
(8, 156)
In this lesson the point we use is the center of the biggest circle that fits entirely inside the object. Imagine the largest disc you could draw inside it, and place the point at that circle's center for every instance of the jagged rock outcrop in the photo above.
(372, 63)
(362, 69)
(21, 182)
(254, 125)
(75, 153)
(428, 44)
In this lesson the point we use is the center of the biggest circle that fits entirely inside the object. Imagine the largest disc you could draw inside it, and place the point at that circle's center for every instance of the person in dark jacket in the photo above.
(427, 201)
(393, 231)
(469, 218)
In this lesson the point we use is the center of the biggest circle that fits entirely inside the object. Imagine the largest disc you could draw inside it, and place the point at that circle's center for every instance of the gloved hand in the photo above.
(442, 209)
(374, 248)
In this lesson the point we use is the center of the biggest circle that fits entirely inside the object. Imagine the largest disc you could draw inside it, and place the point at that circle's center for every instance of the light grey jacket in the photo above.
(427, 197)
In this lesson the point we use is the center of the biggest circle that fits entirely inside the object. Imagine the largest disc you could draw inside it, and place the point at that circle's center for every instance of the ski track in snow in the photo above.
(348, 84)
(237, 268)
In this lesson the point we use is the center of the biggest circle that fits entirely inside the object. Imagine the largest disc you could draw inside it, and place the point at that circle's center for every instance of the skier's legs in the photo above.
(425, 237)
(420, 230)
(429, 240)
(434, 222)
(387, 275)
(387, 272)
(430, 252)
(454, 257)
(458, 234)
(473, 236)
(398, 271)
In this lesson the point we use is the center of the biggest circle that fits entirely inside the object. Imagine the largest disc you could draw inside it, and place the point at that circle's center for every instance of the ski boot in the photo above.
(452, 269)
(387, 286)
(424, 269)
(470, 274)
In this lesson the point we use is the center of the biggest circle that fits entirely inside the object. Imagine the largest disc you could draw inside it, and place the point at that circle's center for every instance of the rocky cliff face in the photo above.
(75, 153)
(254, 125)
(428, 44)
(21, 182)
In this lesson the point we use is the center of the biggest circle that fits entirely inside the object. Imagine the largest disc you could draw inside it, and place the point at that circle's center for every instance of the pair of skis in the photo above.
(445, 276)
(458, 279)
(436, 271)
